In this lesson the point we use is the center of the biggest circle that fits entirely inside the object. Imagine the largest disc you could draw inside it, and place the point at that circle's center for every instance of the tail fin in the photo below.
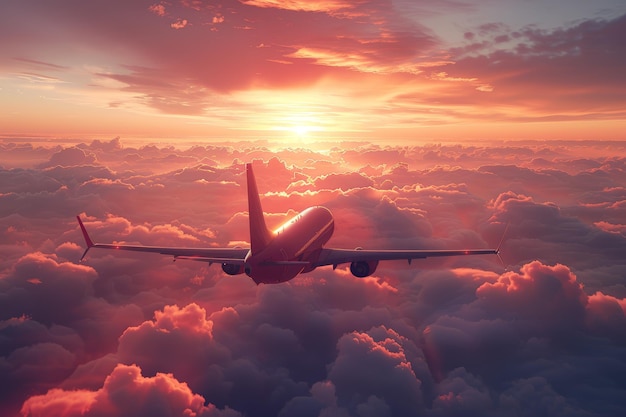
(260, 236)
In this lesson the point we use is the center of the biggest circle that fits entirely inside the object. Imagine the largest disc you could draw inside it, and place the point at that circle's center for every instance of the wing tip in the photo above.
(88, 240)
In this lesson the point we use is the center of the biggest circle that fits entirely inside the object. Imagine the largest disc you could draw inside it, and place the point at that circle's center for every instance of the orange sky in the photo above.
(301, 71)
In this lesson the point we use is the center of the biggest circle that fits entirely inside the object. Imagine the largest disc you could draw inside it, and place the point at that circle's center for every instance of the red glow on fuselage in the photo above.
(293, 248)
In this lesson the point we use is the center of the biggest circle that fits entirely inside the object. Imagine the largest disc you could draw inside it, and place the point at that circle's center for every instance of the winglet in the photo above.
(502, 238)
(260, 236)
(88, 240)
(501, 242)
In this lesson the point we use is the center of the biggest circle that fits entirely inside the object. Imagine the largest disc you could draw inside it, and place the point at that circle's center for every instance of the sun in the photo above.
(301, 130)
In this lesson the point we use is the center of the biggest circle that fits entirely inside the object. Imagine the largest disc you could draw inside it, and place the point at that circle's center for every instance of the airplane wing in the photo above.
(218, 255)
(335, 257)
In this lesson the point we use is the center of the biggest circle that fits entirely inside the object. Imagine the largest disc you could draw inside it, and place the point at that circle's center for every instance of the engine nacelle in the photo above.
(232, 269)
(362, 269)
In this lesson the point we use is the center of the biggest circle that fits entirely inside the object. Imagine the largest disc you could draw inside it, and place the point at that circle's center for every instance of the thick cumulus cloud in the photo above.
(136, 334)
(125, 392)
(528, 335)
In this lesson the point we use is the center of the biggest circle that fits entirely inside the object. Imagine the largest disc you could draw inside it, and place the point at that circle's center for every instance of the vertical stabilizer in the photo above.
(260, 236)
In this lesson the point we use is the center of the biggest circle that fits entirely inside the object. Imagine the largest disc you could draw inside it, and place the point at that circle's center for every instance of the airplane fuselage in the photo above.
(293, 249)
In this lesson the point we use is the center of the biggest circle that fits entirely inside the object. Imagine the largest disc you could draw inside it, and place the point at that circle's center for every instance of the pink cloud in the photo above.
(556, 294)
(193, 4)
(158, 9)
(191, 317)
(71, 156)
(125, 392)
(62, 287)
(60, 403)
(452, 335)
(341, 181)
(611, 228)
(185, 331)
(179, 24)
(376, 364)
(606, 314)
(329, 6)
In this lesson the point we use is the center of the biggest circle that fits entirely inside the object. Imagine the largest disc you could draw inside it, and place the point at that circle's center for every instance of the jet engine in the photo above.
(232, 269)
(362, 269)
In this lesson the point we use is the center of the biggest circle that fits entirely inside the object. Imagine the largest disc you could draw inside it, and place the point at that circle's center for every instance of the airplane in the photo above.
(295, 247)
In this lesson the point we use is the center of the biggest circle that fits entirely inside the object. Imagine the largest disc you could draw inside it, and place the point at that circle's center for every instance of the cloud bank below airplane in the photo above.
(443, 336)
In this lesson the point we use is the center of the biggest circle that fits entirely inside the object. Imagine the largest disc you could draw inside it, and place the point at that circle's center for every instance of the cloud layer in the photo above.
(138, 334)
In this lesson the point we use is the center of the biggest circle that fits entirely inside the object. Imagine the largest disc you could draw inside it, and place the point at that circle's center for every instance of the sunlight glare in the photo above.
(299, 127)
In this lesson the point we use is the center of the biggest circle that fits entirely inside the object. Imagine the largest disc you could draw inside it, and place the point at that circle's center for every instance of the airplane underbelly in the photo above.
(269, 270)
(273, 274)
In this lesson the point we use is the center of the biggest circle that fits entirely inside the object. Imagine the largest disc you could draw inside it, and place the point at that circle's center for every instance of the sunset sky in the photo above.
(305, 71)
